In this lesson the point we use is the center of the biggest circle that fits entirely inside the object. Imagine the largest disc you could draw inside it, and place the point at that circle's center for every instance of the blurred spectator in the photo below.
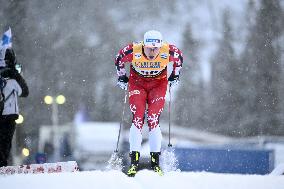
(40, 158)
(13, 85)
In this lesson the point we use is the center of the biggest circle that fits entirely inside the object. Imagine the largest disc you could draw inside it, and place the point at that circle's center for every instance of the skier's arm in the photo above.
(123, 56)
(177, 59)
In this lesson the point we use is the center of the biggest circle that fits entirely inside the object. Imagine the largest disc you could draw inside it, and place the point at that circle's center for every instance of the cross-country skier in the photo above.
(147, 85)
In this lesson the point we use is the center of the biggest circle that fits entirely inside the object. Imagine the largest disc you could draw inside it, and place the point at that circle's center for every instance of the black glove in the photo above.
(123, 79)
(14, 74)
(3, 71)
(173, 80)
(122, 82)
(8, 73)
(10, 58)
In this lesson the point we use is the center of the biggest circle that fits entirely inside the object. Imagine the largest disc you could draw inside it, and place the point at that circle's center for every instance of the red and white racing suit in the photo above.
(147, 85)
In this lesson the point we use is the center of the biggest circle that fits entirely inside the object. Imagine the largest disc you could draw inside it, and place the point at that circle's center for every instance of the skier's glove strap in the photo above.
(122, 82)
(173, 80)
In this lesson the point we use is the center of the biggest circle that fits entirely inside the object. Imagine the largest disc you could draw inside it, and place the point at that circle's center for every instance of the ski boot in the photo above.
(155, 163)
(134, 156)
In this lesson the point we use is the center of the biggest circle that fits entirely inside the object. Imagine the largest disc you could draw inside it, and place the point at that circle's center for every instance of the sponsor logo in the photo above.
(148, 64)
(164, 55)
(134, 92)
(138, 55)
(153, 40)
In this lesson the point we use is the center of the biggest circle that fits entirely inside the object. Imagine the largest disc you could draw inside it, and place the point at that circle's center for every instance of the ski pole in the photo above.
(170, 145)
(122, 118)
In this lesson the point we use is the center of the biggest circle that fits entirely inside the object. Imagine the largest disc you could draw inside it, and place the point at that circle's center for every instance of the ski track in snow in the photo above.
(144, 179)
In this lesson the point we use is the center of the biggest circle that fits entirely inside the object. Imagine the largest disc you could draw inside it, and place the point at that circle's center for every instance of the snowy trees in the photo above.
(263, 55)
(245, 87)
(190, 99)
(247, 90)
(224, 82)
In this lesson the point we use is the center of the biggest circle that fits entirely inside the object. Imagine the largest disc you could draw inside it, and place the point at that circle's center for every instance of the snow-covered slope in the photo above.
(144, 180)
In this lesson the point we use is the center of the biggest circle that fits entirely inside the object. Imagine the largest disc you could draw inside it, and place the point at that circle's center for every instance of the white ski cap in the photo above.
(153, 38)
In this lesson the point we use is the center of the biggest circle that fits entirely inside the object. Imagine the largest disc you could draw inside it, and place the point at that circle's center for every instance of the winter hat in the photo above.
(153, 38)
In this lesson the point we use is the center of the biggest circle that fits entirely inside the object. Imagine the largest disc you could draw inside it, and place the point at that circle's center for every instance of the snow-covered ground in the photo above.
(144, 180)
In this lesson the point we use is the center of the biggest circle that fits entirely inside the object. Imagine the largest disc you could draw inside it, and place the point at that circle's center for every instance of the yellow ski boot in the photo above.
(155, 163)
(134, 155)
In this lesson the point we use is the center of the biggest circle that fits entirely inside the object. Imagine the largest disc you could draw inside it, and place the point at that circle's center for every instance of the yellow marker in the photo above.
(48, 99)
(20, 119)
(25, 152)
(60, 99)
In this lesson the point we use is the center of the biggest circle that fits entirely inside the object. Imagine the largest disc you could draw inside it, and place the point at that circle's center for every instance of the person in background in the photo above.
(13, 86)
(147, 85)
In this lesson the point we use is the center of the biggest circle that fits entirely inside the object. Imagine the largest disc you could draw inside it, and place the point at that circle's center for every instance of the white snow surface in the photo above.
(144, 179)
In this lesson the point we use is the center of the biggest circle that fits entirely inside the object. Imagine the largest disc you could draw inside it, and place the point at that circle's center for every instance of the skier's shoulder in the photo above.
(173, 48)
(127, 48)
(175, 53)
(125, 53)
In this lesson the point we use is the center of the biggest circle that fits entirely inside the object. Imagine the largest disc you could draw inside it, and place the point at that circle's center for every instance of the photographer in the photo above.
(12, 86)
